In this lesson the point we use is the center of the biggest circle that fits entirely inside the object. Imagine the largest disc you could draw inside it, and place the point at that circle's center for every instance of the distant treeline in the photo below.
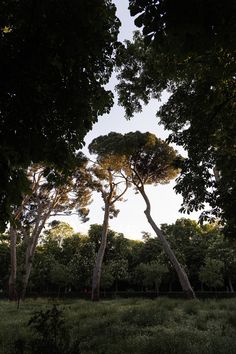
(64, 261)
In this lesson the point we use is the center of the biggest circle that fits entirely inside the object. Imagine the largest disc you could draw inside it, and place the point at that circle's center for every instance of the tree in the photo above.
(56, 56)
(190, 242)
(150, 274)
(119, 270)
(81, 265)
(223, 250)
(58, 232)
(107, 277)
(4, 261)
(143, 159)
(211, 273)
(51, 194)
(188, 48)
(112, 188)
(59, 275)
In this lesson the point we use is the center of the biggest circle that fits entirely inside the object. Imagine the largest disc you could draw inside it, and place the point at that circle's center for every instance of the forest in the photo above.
(57, 61)
(64, 262)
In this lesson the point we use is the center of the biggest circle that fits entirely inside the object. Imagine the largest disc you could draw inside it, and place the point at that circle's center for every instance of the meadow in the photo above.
(121, 326)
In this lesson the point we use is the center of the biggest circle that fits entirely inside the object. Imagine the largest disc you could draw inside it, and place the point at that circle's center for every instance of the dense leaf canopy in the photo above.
(186, 25)
(142, 157)
(188, 48)
(55, 58)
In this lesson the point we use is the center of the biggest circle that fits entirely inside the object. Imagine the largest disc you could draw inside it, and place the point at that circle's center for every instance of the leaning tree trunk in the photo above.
(96, 280)
(183, 278)
(12, 292)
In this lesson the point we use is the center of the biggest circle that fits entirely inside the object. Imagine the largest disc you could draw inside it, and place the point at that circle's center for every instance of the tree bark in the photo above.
(183, 278)
(231, 288)
(96, 280)
(30, 251)
(12, 291)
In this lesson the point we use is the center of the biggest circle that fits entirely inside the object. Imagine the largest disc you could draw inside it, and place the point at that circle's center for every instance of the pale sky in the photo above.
(165, 203)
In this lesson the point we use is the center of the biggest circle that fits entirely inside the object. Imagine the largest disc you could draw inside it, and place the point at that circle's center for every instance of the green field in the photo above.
(138, 326)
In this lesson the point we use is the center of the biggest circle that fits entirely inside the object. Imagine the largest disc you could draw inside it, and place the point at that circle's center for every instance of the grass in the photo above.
(124, 326)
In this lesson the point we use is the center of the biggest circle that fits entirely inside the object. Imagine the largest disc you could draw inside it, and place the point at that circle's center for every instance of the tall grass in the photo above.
(163, 326)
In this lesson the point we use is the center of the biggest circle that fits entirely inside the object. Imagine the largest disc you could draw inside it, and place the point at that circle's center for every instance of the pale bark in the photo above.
(32, 242)
(183, 278)
(12, 279)
(96, 280)
(110, 199)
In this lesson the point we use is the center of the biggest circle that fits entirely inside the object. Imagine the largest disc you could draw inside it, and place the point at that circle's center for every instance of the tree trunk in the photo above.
(29, 263)
(25, 280)
(183, 278)
(231, 288)
(100, 255)
(30, 251)
(12, 292)
(202, 287)
(157, 288)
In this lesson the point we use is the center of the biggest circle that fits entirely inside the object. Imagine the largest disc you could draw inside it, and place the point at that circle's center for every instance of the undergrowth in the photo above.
(124, 326)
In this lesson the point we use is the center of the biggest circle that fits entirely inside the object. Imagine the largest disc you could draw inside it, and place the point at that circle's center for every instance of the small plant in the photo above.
(51, 334)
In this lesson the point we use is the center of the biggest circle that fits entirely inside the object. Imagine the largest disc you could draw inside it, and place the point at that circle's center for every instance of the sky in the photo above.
(165, 203)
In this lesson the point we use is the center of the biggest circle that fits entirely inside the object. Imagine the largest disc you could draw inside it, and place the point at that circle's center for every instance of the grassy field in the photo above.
(139, 326)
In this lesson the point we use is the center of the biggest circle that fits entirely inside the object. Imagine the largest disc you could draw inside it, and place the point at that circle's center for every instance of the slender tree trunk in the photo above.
(29, 262)
(12, 279)
(231, 288)
(25, 280)
(96, 280)
(157, 288)
(30, 251)
(183, 278)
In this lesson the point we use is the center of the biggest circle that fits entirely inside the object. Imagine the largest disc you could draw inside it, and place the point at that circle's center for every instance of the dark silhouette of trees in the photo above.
(55, 58)
(188, 48)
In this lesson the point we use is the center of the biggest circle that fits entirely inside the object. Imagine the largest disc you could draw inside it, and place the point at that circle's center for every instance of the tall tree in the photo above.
(188, 48)
(55, 58)
(143, 159)
(51, 194)
(112, 188)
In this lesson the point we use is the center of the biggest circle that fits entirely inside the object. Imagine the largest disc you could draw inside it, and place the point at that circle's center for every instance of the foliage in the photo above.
(152, 159)
(169, 25)
(56, 57)
(165, 325)
(4, 261)
(107, 278)
(112, 188)
(65, 268)
(141, 159)
(50, 327)
(50, 334)
(59, 275)
(114, 271)
(149, 274)
(51, 193)
(81, 265)
(211, 273)
(58, 231)
(188, 48)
